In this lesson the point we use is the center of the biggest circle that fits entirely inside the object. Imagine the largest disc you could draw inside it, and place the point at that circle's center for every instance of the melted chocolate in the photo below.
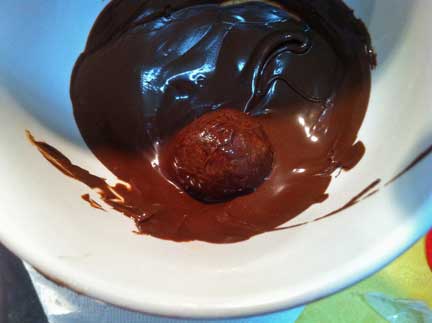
(91, 202)
(150, 69)
(370, 190)
(364, 194)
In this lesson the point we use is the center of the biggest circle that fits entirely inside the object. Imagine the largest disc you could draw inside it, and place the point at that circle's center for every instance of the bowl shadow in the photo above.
(388, 31)
(40, 42)
(413, 189)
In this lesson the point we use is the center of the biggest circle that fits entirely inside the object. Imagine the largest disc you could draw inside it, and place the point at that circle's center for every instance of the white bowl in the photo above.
(43, 220)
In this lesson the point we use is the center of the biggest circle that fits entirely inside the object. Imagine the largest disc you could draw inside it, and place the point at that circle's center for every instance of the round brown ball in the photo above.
(221, 155)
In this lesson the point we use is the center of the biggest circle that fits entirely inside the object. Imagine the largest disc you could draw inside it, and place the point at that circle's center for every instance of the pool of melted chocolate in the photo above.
(302, 69)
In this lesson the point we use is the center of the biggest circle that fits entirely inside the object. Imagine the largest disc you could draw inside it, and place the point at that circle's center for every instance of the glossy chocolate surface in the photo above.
(301, 68)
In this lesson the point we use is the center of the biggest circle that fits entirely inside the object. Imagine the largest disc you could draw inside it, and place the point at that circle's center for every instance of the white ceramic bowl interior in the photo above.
(43, 219)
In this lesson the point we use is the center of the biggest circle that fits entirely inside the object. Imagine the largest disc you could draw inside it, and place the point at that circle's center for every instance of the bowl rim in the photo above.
(390, 247)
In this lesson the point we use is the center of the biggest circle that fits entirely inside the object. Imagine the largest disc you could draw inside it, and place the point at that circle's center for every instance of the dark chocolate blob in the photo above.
(151, 68)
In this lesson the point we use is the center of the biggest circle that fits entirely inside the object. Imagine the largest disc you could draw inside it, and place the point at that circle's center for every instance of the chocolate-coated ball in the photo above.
(221, 155)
